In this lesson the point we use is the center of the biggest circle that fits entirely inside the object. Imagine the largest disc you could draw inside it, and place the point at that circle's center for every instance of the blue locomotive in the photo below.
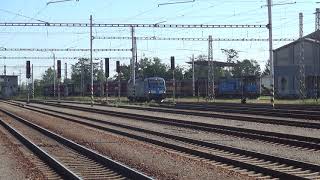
(153, 88)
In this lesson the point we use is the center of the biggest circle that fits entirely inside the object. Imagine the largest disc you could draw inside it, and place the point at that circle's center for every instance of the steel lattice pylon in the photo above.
(211, 93)
(302, 78)
(317, 21)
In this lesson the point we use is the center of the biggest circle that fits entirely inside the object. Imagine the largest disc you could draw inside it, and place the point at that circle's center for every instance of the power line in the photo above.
(21, 15)
(179, 2)
(62, 58)
(48, 49)
(134, 25)
(194, 39)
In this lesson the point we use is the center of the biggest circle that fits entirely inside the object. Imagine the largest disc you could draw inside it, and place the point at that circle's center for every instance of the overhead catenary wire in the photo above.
(195, 39)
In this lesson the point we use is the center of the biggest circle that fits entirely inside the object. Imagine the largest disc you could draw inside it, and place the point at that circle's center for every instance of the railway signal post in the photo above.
(28, 75)
(119, 79)
(106, 64)
(173, 79)
(59, 77)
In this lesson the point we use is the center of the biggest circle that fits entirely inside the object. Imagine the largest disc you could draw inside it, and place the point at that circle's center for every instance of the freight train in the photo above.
(159, 89)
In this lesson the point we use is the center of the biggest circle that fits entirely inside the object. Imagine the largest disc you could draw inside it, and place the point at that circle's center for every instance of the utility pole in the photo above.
(20, 79)
(101, 79)
(54, 75)
(65, 72)
(65, 79)
(301, 60)
(91, 38)
(82, 78)
(59, 84)
(133, 61)
(269, 26)
(5, 77)
(193, 78)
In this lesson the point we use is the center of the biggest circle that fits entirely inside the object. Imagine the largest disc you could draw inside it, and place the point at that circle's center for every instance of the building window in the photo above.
(284, 84)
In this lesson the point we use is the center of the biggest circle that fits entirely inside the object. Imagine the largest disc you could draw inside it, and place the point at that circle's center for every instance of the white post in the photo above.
(54, 75)
(119, 86)
(269, 26)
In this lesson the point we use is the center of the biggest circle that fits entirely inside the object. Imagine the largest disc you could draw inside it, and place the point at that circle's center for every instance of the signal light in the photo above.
(118, 66)
(172, 63)
(59, 69)
(106, 66)
(28, 70)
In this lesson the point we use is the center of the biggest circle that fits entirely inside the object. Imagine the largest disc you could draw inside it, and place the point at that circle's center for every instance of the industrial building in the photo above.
(8, 85)
(297, 68)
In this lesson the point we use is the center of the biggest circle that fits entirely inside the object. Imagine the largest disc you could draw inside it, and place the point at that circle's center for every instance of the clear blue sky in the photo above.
(285, 19)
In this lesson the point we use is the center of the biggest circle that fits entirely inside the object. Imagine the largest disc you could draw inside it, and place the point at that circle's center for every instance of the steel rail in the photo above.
(259, 105)
(245, 118)
(273, 137)
(122, 169)
(259, 169)
(59, 168)
(310, 115)
(287, 139)
(213, 114)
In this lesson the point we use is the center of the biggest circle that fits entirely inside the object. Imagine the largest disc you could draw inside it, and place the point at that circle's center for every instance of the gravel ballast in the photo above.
(218, 121)
(14, 163)
(300, 154)
(152, 160)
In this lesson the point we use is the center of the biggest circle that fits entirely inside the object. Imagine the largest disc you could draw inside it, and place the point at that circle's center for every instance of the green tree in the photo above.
(246, 68)
(38, 87)
(266, 70)
(125, 72)
(47, 77)
(46, 80)
(82, 70)
(151, 67)
(201, 72)
(232, 55)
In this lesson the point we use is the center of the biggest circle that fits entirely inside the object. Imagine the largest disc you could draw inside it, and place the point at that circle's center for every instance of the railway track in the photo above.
(67, 158)
(292, 113)
(266, 136)
(239, 117)
(256, 164)
(312, 107)
(309, 112)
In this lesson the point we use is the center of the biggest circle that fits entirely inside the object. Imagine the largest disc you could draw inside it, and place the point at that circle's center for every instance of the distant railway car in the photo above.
(229, 87)
(153, 88)
(248, 86)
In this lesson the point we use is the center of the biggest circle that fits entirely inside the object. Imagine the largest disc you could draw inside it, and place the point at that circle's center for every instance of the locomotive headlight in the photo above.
(149, 92)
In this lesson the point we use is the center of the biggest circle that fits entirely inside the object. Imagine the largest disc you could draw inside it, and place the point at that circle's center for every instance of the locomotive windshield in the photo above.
(156, 83)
